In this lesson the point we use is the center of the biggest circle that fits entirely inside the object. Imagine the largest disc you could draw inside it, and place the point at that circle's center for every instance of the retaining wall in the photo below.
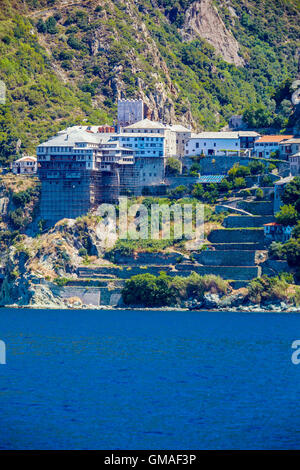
(143, 259)
(88, 295)
(175, 181)
(93, 295)
(239, 246)
(237, 273)
(274, 267)
(236, 236)
(121, 273)
(256, 207)
(226, 258)
(244, 221)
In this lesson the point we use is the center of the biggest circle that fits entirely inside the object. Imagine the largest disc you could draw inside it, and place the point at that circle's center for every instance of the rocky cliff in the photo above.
(196, 62)
(202, 19)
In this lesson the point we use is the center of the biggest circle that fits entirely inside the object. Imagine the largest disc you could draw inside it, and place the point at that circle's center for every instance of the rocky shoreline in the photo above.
(240, 309)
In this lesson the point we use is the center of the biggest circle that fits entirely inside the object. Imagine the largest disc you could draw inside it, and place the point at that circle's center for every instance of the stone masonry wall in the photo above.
(244, 221)
(256, 207)
(226, 272)
(226, 258)
(236, 236)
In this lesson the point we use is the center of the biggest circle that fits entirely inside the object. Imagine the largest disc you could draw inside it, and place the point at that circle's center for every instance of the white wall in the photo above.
(197, 146)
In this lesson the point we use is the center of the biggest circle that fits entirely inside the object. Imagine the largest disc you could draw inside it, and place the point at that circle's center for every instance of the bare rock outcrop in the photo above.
(202, 19)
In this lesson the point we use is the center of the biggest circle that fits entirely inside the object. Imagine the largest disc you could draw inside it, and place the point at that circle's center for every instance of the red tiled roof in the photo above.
(273, 138)
(272, 224)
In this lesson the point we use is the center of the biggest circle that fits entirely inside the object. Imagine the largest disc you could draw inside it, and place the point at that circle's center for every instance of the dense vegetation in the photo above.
(64, 66)
(289, 214)
(162, 290)
(159, 291)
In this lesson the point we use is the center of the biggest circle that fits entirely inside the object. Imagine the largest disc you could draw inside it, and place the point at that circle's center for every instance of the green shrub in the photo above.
(61, 281)
(153, 291)
(257, 168)
(239, 183)
(148, 290)
(268, 288)
(173, 167)
(82, 252)
(287, 215)
(259, 194)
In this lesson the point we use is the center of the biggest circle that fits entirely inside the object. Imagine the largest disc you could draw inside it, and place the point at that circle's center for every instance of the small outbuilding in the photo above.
(24, 166)
(274, 232)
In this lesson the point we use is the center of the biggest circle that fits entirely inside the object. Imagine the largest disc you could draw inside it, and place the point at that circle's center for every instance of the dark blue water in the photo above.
(148, 380)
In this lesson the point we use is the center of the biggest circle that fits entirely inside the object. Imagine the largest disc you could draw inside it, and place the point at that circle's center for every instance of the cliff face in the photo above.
(202, 19)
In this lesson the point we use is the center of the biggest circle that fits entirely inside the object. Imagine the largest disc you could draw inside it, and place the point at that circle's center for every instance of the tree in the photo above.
(291, 194)
(198, 191)
(287, 215)
(149, 290)
(180, 191)
(257, 116)
(276, 251)
(238, 171)
(239, 183)
(292, 251)
(296, 230)
(41, 27)
(173, 167)
(257, 168)
(51, 25)
(259, 194)
(225, 185)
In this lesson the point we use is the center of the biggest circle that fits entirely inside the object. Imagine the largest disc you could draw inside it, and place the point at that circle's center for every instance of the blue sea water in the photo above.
(148, 380)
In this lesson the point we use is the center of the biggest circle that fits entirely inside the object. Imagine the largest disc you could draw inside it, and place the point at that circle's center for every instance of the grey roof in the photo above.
(179, 128)
(295, 140)
(216, 135)
(146, 124)
(67, 139)
(140, 134)
(295, 155)
(248, 134)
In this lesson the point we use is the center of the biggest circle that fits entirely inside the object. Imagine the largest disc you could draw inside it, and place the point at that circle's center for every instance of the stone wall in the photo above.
(239, 246)
(244, 221)
(220, 165)
(274, 267)
(236, 236)
(226, 258)
(256, 207)
(229, 208)
(93, 295)
(88, 295)
(144, 259)
(226, 272)
(125, 272)
(175, 181)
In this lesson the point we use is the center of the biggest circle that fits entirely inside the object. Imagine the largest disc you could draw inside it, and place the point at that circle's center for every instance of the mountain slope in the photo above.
(198, 62)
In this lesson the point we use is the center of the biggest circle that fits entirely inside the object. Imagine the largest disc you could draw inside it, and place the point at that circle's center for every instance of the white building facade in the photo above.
(267, 145)
(212, 143)
(149, 151)
(183, 134)
(26, 165)
(151, 127)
